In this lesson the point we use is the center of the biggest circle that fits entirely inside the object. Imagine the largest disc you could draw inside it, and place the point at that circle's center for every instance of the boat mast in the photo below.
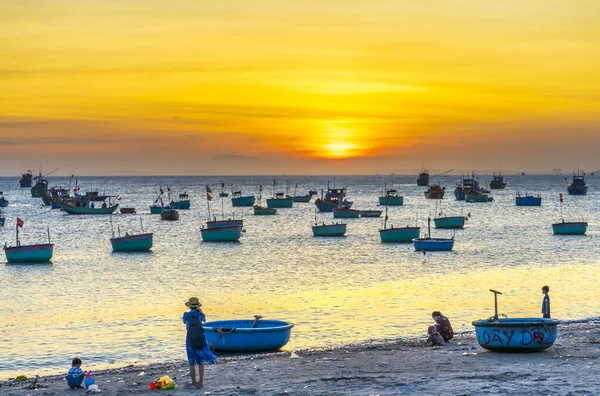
(142, 224)
(112, 229)
(17, 231)
(48, 234)
(208, 201)
(429, 227)
(561, 210)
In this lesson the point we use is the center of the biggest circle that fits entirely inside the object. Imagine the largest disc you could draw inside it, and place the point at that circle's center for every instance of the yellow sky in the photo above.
(155, 87)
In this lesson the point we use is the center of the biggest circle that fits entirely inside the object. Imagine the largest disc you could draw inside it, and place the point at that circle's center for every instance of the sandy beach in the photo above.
(377, 368)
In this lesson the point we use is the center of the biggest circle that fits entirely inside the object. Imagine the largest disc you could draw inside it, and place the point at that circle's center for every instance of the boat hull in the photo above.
(303, 198)
(29, 253)
(221, 234)
(577, 190)
(449, 222)
(478, 198)
(528, 201)
(132, 243)
(433, 244)
(572, 228)
(516, 335)
(180, 204)
(370, 213)
(239, 336)
(262, 211)
(328, 230)
(497, 186)
(399, 234)
(280, 202)
(391, 201)
(127, 210)
(346, 213)
(78, 210)
(155, 209)
(243, 201)
(170, 215)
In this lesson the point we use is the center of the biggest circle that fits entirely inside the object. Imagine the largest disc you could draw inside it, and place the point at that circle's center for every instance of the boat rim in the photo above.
(27, 246)
(123, 237)
(212, 326)
(515, 322)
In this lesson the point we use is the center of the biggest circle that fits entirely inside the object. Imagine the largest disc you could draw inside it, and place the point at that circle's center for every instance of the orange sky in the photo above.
(119, 87)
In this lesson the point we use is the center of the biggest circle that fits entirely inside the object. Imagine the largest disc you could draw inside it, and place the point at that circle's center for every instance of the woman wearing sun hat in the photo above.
(196, 345)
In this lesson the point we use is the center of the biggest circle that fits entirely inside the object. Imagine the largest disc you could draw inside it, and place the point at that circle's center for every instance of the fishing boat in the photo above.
(94, 196)
(568, 228)
(497, 182)
(451, 222)
(169, 214)
(221, 234)
(260, 210)
(54, 195)
(220, 231)
(131, 243)
(435, 191)
(127, 210)
(391, 197)
(247, 335)
(237, 199)
(158, 206)
(329, 230)
(301, 198)
(423, 179)
(312, 192)
(26, 179)
(428, 244)
(515, 334)
(183, 203)
(279, 200)
(397, 234)
(370, 213)
(89, 208)
(578, 186)
(468, 184)
(528, 199)
(3, 201)
(334, 198)
(40, 188)
(28, 253)
(476, 196)
(344, 212)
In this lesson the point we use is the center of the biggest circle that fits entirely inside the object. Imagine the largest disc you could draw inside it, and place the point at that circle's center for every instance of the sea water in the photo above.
(114, 309)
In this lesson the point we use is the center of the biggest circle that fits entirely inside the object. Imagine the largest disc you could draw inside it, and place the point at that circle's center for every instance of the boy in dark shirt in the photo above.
(546, 302)
(75, 375)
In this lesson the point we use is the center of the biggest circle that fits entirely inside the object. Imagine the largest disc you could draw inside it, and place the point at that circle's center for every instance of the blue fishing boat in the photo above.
(334, 198)
(391, 197)
(568, 228)
(468, 184)
(247, 335)
(515, 334)
(329, 230)
(428, 244)
(497, 182)
(158, 206)
(132, 243)
(279, 200)
(3, 201)
(528, 199)
(183, 203)
(475, 196)
(28, 253)
(578, 186)
(221, 234)
(435, 191)
(344, 212)
(237, 199)
(397, 234)
(26, 179)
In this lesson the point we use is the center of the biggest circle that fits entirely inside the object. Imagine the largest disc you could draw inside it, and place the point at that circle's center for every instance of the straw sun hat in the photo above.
(193, 302)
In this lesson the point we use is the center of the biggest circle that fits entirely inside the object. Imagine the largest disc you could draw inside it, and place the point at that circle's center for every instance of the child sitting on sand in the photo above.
(442, 328)
(75, 375)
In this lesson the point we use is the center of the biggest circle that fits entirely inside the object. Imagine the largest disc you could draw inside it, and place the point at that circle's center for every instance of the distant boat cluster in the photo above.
(333, 200)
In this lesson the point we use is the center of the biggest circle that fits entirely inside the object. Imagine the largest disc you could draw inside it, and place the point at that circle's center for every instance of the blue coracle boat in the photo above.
(88, 210)
(528, 200)
(280, 201)
(237, 199)
(183, 203)
(515, 335)
(329, 230)
(132, 243)
(449, 222)
(28, 253)
(570, 228)
(578, 186)
(399, 234)
(429, 244)
(222, 234)
(241, 336)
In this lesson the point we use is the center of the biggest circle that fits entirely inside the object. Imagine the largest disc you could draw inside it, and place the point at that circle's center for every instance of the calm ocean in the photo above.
(117, 309)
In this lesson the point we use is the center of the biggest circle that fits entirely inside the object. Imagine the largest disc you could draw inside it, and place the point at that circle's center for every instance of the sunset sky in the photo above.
(124, 87)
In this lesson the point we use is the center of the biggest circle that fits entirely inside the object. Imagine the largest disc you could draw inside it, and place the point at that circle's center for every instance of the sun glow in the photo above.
(340, 149)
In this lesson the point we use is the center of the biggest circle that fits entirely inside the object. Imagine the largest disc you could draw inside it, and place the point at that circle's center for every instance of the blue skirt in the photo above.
(200, 355)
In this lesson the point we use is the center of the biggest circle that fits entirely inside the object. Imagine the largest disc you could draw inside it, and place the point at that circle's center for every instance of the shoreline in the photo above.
(391, 366)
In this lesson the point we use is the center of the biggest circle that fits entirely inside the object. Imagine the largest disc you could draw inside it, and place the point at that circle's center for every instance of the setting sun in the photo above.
(340, 150)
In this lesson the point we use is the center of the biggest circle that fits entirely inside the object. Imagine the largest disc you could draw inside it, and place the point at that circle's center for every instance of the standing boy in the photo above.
(546, 302)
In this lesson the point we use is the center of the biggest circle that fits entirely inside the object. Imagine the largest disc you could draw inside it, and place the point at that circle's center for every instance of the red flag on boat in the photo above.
(118, 198)
(19, 223)
(208, 190)
(561, 198)
(75, 190)
(296, 185)
(169, 189)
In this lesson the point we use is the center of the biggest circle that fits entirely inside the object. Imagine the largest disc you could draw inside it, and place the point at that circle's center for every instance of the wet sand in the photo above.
(395, 367)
